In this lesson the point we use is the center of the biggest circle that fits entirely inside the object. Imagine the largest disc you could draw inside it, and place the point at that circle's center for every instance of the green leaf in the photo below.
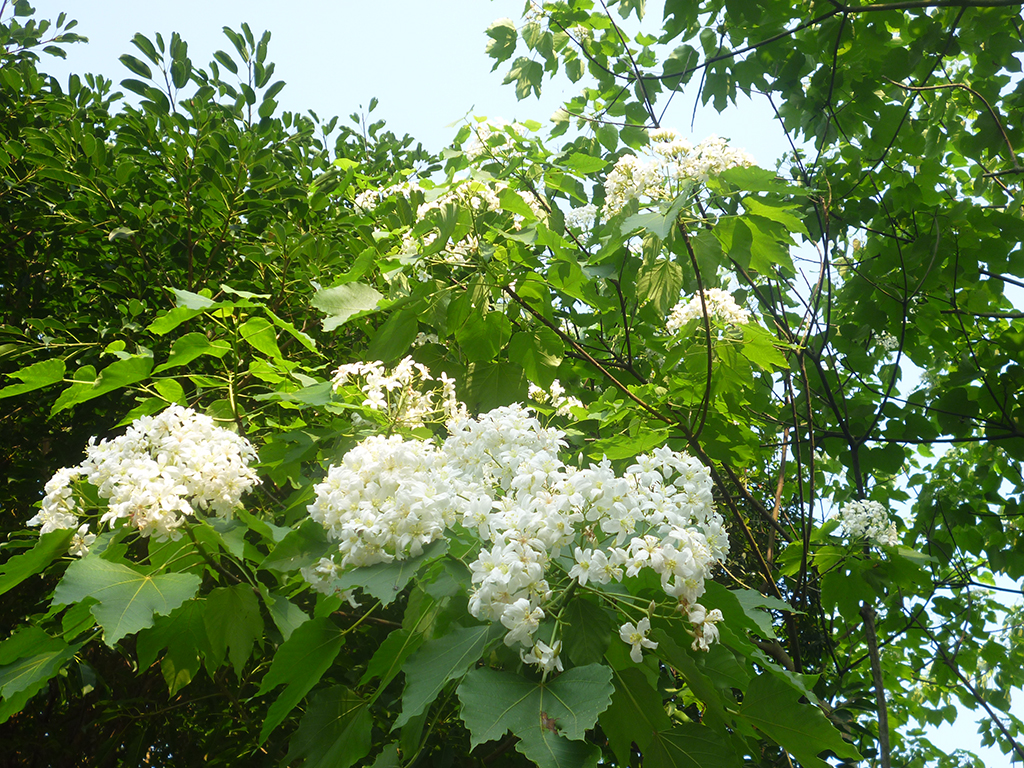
(489, 385)
(303, 338)
(503, 41)
(190, 300)
(286, 615)
(759, 348)
(28, 660)
(587, 631)
(35, 376)
(546, 716)
(585, 164)
(344, 302)
(438, 661)
(636, 713)
(700, 684)
(767, 249)
(539, 351)
(660, 222)
(776, 212)
(190, 346)
(259, 333)
(628, 446)
(137, 66)
(118, 374)
(393, 339)
(772, 706)
(753, 601)
(482, 337)
(48, 548)
(335, 731)
(302, 547)
(389, 757)
(660, 283)
(513, 202)
(233, 624)
(385, 581)
(689, 745)
(389, 659)
(127, 599)
(527, 75)
(171, 319)
(299, 664)
(183, 634)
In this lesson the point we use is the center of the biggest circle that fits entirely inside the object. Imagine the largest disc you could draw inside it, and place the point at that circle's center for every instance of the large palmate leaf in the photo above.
(385, 581)
(689, 745)
(335, 732)
(636, 713)
(438, 661)
(550, 718)
(183, 634)
(299, 664)
(233, 623)
(772, 706)
(126, 599)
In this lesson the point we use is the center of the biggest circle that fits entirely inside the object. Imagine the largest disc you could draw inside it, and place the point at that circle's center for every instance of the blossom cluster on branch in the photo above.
(543, 526)
(720, 305)
(670, 166)
(868, 520)
(155, 476)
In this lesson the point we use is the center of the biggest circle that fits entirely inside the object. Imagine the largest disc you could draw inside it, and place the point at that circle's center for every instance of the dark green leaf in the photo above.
(438, 661)
(299, 664)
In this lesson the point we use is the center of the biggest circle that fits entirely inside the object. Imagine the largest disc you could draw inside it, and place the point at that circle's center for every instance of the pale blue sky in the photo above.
(423, 59)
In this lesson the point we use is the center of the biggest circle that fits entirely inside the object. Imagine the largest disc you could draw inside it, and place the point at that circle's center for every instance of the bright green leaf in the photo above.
(127, 599)
(344, 302)
(48, 548)
(35, 376)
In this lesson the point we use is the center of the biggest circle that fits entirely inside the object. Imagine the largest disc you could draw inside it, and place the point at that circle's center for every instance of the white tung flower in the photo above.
(636, 636)
(543, 655)
(704, 632)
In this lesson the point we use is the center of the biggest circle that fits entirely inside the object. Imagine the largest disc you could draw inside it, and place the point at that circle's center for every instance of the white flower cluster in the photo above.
(888, 342)
(156, 475)
(672, 165)
(367, 201)
(561, 402)
(868, 520)
(495, 138)
(720, 306)
(476, 196)
(388, 499)
(398, 394)
(500, 476)
(582, 218)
